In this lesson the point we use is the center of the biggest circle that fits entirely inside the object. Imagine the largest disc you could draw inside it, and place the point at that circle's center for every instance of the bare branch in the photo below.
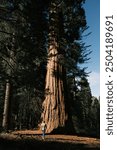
(7, 62)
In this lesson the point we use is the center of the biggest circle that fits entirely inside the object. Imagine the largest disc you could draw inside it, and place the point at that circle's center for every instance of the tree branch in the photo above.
(7, 62)
(6, 32)
(6, 19)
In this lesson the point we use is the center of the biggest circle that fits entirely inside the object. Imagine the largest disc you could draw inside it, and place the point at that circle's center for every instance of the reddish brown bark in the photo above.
(54, 113)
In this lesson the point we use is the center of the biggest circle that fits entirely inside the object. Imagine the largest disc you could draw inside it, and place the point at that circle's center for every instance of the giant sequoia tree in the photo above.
(54, 104)
(66, 24)
(30, 31)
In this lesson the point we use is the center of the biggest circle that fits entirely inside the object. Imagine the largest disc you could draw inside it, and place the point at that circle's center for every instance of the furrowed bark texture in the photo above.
(54, 113)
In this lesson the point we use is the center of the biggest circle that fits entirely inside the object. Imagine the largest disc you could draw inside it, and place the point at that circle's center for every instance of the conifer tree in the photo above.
(22, 47)
(66, 24)
(32, 30)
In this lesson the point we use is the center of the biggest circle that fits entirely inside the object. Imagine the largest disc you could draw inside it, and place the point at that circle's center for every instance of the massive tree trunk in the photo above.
(54, 111)
(54, 104)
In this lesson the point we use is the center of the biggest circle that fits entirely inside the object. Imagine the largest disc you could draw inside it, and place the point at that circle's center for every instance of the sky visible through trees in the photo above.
(92, 9)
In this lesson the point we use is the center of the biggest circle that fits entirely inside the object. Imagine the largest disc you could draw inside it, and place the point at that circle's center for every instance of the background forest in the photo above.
(29, 29)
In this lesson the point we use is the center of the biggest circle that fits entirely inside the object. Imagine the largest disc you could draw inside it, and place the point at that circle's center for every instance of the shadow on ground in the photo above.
(35, 144)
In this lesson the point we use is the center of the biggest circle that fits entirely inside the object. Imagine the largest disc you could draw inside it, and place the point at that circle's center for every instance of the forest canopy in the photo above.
(41, 78)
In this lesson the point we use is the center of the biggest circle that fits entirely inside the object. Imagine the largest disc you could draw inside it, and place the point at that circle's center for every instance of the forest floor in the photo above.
(32, 140)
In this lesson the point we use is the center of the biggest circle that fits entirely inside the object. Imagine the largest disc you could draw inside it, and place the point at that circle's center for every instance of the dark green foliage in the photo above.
(24, 28)
(84, 103)
(95, 116)
(85, 108)
(23, 58)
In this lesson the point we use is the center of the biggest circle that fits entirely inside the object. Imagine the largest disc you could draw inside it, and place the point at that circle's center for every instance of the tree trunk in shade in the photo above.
(5, 122)
(10, 72)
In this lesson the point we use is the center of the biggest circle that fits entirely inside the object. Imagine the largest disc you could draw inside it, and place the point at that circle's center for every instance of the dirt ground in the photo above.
(32, 140)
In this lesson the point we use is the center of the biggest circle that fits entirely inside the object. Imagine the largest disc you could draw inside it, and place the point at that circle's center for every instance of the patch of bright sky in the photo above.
(92, 11)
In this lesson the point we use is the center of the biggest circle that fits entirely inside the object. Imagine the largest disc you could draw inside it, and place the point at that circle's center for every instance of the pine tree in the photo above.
(83, 101)
(95, 117)
(22, 48)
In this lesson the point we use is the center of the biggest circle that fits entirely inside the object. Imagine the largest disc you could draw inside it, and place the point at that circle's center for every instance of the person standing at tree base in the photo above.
(43, 129)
